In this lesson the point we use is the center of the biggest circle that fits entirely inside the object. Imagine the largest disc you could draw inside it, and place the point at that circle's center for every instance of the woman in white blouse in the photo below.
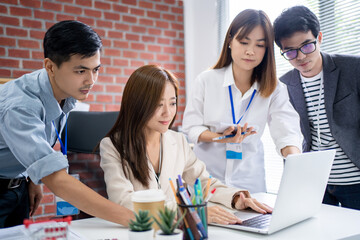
(241, 90)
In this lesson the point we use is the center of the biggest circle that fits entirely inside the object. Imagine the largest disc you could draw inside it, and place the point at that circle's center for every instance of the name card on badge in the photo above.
(234, 151)
(65, 208)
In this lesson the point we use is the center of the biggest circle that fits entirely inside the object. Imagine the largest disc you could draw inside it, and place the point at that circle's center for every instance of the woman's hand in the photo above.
(241, 134)
(243, 202)
(217, 214)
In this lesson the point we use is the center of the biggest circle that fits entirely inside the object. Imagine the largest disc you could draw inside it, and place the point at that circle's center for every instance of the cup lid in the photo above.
(150, 195)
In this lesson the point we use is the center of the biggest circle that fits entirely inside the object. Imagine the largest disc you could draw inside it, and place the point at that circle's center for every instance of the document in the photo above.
(21, 233)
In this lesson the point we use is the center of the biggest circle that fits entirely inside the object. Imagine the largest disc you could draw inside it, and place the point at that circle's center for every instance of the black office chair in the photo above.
(86, 129)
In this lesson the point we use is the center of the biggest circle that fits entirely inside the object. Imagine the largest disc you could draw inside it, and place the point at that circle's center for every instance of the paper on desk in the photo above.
(17, 232)
(20, 233)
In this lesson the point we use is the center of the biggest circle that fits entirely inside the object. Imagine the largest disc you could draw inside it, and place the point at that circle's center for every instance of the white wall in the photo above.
(201, 38)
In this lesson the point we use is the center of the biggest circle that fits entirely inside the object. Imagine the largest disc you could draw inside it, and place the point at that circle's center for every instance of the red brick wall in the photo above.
(134, 33)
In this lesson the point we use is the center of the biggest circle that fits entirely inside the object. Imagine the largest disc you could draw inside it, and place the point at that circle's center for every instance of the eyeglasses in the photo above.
(307, 48)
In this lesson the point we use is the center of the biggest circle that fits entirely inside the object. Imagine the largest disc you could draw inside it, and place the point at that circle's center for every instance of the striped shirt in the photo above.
(343, 171)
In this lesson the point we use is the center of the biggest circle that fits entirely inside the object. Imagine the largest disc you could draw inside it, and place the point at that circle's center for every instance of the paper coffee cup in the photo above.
(152, 200)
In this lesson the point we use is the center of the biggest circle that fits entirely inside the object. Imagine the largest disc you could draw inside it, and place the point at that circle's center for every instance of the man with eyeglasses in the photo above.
(325, 90)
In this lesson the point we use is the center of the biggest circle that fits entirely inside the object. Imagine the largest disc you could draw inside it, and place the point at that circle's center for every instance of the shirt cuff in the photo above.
(288, 142)
(195, 132)
(47, 165)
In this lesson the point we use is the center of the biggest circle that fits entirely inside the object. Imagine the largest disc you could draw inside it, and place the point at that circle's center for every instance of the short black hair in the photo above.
(67, 38)
(295, 19)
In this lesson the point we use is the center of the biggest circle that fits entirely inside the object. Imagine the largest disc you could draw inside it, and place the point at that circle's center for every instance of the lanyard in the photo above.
(63, 146)
(232, 106)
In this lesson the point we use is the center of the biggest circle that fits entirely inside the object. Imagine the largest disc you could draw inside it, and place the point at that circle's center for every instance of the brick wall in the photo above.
(134, 33)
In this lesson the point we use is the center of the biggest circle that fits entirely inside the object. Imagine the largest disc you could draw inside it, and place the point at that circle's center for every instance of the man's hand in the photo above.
(35, 196)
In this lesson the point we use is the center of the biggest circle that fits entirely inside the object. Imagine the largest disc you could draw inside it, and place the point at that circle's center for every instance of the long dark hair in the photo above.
(241, 26)
(140, 99)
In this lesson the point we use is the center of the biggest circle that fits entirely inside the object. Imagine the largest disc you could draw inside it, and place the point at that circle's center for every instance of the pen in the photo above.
(223, 137)
(178, 202)
(210, 195)
(186, 199)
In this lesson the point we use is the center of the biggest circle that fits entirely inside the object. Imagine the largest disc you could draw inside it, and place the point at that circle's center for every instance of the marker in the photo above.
(207, 186)
(210, 195)
(186, 199)
(199, 200)
(178, 202)
(198, 191)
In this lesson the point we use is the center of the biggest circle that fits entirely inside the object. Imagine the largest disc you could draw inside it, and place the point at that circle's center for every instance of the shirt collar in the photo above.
(229, 79)
(53, 109)
(229, 76)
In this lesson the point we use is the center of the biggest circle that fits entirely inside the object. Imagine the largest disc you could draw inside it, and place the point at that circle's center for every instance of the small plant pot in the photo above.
(145, 235)
(178, 235)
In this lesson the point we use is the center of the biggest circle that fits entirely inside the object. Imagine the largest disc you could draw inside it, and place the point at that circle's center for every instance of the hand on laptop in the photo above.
(217, 214)
(243, 202)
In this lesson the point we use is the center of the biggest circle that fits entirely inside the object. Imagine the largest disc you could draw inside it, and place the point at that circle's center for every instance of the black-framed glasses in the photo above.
(305, 49)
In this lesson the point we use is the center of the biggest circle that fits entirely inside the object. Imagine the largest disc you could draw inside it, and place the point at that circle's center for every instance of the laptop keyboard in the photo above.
(261, 221)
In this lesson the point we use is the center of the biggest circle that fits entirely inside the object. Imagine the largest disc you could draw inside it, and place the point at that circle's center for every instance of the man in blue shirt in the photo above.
(33, 111)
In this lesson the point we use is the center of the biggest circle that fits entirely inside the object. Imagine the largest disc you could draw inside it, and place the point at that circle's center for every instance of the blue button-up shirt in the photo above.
(27, 109)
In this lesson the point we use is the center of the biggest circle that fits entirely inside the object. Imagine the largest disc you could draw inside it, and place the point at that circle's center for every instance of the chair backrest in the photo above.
(86, 129)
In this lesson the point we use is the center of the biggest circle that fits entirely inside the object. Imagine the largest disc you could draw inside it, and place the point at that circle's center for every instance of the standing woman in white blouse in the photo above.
(241, 92)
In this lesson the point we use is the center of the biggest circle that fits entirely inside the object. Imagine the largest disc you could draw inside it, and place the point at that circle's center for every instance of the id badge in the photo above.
(64, 208)
(234, 151)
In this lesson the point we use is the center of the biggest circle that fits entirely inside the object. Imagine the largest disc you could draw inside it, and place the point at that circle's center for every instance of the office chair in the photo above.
(84, 132)
(86, 129)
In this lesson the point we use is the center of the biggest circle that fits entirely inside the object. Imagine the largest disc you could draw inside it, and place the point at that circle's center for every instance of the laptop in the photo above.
(300, 194)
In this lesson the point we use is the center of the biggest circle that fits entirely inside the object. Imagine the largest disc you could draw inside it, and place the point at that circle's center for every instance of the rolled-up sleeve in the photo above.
(23, 130)
(284, 121)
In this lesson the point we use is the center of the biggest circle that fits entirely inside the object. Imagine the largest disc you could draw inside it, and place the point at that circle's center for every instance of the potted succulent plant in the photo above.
(141, 228)
(168, 225)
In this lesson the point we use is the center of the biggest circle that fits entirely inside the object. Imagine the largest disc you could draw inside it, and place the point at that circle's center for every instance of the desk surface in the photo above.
(330, 223)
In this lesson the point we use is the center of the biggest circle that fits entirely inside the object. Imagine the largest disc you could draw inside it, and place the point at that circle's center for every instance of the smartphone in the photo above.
(247, 130)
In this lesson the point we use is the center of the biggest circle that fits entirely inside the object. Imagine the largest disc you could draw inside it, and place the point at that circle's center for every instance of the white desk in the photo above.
(330, 223)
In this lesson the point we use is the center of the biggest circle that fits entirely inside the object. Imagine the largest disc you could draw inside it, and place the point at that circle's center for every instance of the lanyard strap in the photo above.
(63, 146)
(232, 105)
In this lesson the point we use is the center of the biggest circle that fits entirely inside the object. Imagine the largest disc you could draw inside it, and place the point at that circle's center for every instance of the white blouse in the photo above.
(209, 105)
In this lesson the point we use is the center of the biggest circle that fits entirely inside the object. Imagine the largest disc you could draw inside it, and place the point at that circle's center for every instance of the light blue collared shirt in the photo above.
(27, 109)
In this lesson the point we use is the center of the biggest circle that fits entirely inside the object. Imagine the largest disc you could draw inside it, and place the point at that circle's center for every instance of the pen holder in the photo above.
(195, 225)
